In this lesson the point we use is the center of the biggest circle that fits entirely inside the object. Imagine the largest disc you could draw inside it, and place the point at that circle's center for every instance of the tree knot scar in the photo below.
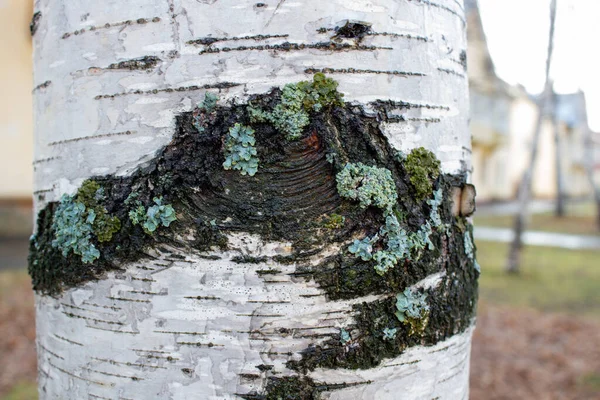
(299, 165)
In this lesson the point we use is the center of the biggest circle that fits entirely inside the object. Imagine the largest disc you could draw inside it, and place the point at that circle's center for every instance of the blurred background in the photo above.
(538, 330)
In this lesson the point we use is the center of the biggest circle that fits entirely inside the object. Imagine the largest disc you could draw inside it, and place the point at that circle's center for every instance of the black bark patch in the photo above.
(35, 20)
(463, 59)
(452, 306)
(353, 30)
(142, 63)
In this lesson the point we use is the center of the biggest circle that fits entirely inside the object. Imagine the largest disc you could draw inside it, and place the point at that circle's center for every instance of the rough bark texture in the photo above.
(252, 292)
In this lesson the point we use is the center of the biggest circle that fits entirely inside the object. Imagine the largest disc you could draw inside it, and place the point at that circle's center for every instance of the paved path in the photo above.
(538, 238)
(13, 253)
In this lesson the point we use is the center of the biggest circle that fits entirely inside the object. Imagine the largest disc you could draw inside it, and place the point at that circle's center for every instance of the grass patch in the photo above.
(22, 391)
(551, 279)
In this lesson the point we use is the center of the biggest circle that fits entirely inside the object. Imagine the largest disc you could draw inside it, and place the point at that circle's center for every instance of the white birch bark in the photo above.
(195, 328)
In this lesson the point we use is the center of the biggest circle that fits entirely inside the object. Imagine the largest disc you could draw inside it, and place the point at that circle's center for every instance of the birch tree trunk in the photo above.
(265, 243)
(544, 103)
(559, 209)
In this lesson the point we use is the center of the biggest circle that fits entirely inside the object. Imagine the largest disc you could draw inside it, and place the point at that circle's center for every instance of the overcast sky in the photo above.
(517, 34)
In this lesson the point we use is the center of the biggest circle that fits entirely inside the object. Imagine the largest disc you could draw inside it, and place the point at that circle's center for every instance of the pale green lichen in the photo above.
(389, 333)
(72, 226)
(292, 114)
(159, 214)
(345, 336)
(397, 246)
(470, 250)
(153, 217)
(80, 218)
(412, 308)
(371, 186)
(435, 203)
(421, 239)
(203, 109)
(240, 153)
(363, 248)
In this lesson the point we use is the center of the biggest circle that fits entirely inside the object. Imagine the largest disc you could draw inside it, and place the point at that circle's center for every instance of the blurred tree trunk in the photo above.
(514, 257)
(281, 309)
(559, 210)
(590, 164)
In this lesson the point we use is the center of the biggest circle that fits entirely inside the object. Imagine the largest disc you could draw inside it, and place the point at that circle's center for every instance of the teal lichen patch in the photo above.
(157, 215)
(298, 101)
(370, 186)
(72, 225)
(389, 333)
(240, 150)
(203, 114)
(363, 248)
(412, 309)
(435, 203)
(470, 248)
(423, 168)
(80, 218)
(345, 336)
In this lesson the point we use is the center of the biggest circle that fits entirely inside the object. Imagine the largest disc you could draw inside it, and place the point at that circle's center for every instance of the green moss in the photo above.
(92, 196)
(423, 168)
(334, 221)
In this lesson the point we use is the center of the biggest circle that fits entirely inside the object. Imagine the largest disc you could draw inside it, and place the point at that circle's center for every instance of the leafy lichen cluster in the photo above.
(423, 168)
(156, 215)
(292, 114)
(389, 333)
(240, 153)
(412, 308)
(73, 230)
(205, 111)
(371, 186)
(80, 218)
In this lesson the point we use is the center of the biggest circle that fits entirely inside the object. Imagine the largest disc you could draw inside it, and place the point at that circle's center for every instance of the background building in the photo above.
(503, 119)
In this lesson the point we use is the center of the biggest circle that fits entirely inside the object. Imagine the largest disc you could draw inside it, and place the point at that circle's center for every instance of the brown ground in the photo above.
(17, 332)
(517, 353)
(525, 354)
